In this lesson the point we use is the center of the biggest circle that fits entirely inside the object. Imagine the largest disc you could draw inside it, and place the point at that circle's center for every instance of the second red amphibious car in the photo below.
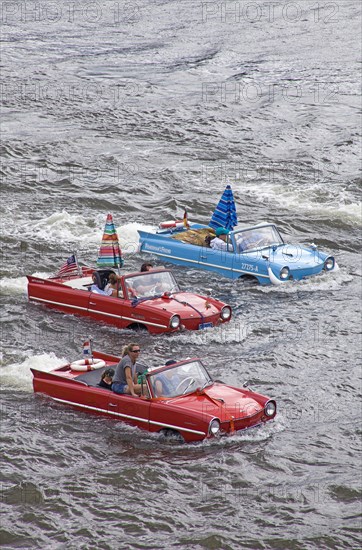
(150, 300)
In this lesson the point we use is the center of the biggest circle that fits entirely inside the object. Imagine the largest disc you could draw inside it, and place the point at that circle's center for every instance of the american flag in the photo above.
(70, 265)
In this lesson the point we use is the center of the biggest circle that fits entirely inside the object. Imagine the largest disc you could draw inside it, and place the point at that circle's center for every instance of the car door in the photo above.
(108, 309)
(132, 410)
(220, 261)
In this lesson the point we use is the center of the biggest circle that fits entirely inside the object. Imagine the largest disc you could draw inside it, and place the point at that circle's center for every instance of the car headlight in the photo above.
(270, 408)
(284, 273)
(175, 321)
(225, 313)
(214, 427)
(329, 263)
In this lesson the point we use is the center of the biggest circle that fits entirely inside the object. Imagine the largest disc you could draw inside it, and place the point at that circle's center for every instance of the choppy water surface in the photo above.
(143, 109)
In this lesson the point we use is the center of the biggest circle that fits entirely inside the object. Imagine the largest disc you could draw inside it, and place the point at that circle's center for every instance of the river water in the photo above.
(143, 109)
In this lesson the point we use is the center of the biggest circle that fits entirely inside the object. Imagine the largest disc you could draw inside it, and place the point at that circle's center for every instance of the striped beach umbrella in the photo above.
(225, 213)
(110, 254)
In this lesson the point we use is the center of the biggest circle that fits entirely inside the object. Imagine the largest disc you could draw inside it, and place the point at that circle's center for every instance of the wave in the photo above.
(18, 375)
(323, 281)
(76, 230)
(342, 205)
(16, 285)
(229, 333)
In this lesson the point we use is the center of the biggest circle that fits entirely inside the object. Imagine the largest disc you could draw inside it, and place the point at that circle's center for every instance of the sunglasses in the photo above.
(135, 351)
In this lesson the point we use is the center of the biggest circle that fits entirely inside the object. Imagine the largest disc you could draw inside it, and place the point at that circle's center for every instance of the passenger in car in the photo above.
(220, 241)
(146, 267)
(166, 382)
(113, 287)
(96, 285)
(106, 379)
(125, 377)
(250, 241)
(148, 286)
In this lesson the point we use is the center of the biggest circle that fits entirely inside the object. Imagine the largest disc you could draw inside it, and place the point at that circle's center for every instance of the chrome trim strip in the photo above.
(255, 273)
(57, 303)
(100, 312)
(205, 263)
(134, 320)
(136, 418)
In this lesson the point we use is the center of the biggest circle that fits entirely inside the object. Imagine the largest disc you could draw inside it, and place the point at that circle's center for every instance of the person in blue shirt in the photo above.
(166, 382)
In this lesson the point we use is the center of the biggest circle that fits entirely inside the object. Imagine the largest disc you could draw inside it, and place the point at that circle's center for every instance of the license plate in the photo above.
(205, 325)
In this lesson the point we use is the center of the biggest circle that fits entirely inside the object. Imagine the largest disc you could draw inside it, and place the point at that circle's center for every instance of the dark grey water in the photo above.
(142, 109)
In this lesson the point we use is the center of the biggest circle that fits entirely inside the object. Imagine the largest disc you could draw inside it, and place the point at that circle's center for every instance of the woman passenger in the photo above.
(125, 377)
(112, 288)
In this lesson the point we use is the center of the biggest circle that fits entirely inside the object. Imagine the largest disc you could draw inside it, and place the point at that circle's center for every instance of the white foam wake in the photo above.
(75, 229)
(323, 281)
(18, 375)
(229, 333)
(342, 206)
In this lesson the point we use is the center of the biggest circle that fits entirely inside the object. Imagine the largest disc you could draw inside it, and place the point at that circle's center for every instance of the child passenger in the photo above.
(106, 379)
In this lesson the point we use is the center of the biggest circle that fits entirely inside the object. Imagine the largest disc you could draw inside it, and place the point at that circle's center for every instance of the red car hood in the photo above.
(183, 304)
(221, 401)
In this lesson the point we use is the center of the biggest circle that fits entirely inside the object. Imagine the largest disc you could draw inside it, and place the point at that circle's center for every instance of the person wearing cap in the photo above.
(221, 240)
(106, 379)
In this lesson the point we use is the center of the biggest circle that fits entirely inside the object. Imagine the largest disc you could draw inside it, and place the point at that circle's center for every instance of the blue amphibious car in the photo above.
(257, 251)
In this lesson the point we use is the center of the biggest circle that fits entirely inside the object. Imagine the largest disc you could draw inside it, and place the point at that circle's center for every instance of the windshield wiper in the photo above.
(207, 383)
(192, 381)
(174, 288)
(137, 301)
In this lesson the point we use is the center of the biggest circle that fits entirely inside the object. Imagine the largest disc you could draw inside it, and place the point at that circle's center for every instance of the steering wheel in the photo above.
(152, 291)
(261, 241)
(254, 244)
(185, 384)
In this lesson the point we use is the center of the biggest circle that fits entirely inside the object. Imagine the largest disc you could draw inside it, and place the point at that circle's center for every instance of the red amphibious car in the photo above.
(179, 399)
(150, 300)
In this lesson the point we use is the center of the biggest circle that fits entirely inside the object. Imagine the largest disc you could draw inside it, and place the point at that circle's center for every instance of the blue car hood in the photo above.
(290, 255)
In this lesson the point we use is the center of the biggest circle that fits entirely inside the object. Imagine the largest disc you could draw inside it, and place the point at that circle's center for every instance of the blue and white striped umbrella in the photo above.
(225, 212)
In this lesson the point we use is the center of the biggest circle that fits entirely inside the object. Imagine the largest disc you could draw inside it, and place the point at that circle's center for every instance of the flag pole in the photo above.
(118, 266)
(87, 351)
(185, 220)
(91, 350)
(76, 261)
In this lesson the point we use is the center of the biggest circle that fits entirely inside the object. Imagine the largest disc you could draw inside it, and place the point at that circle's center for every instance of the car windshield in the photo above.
(257, 237)
(179, 379)
(151, 283)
